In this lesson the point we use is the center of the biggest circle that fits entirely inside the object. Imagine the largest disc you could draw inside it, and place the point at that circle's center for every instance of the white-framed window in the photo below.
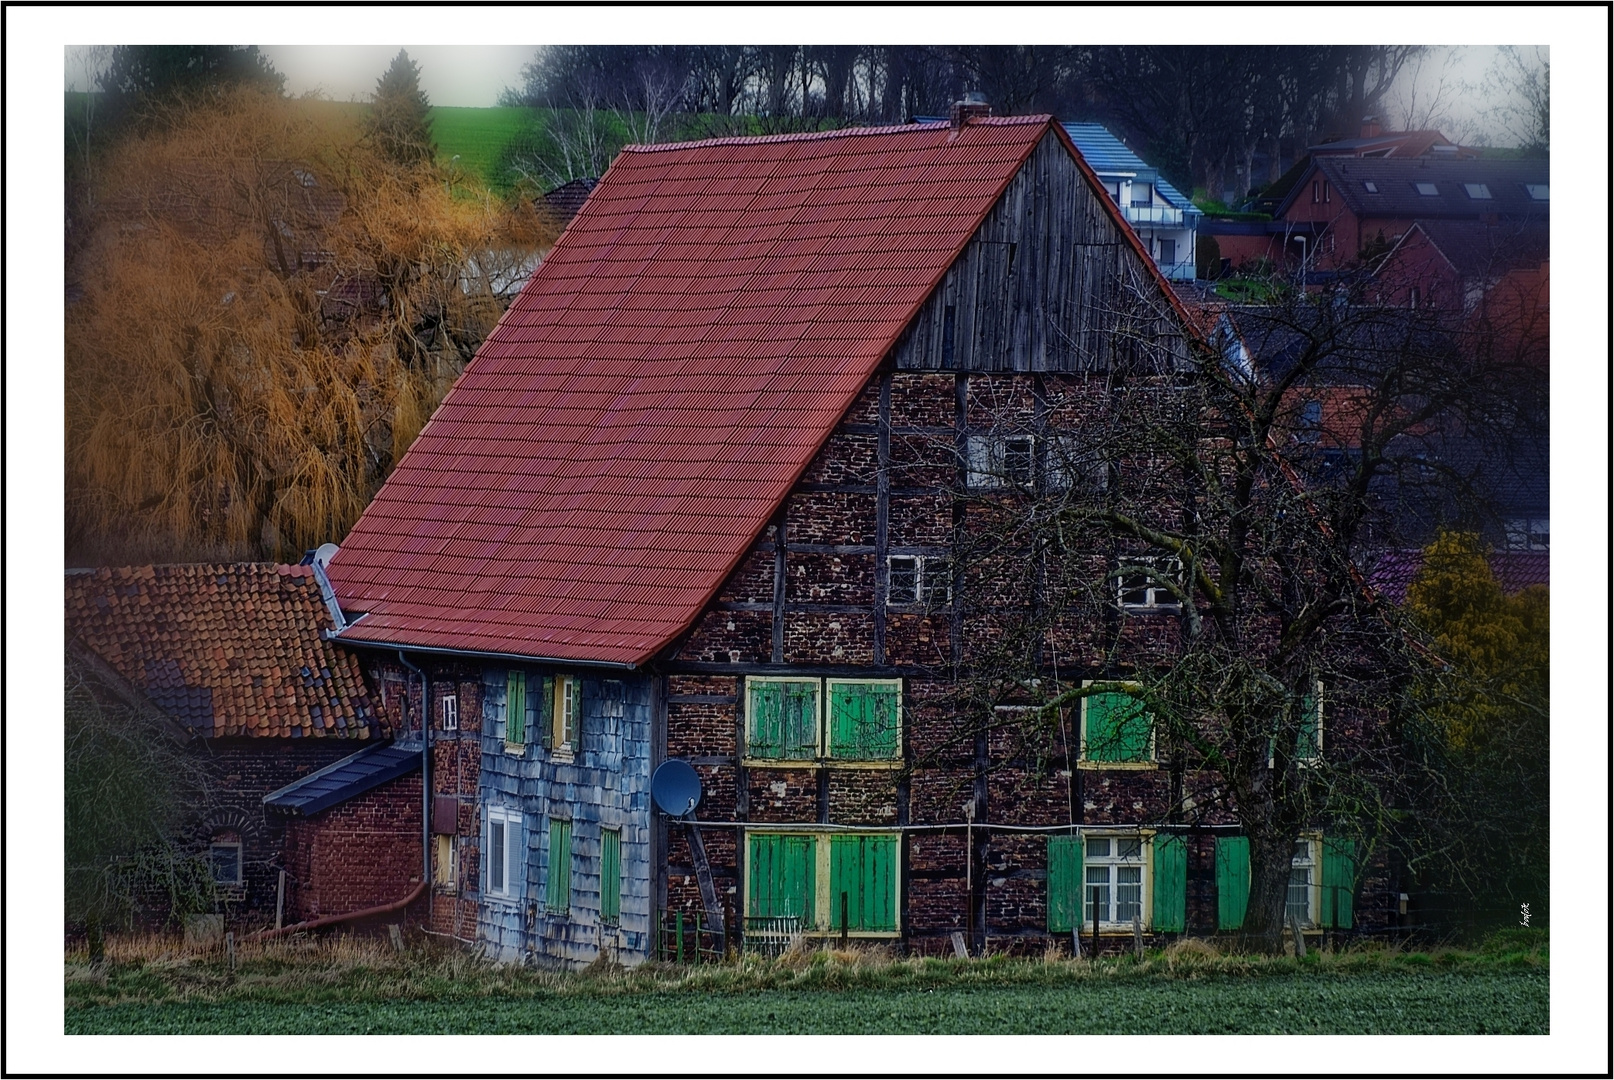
(1000, 461)
(797, 718)
(1142, 592)
(568, 711)
(225, 858)
(1117, 731)
(451, 712)
(1529, 534)
(1113, 872)
(1477, 191)
(1142, 194)
(918, 579)
(1425, 187)
(502, 861)
(1168, 252)
(1304, 884)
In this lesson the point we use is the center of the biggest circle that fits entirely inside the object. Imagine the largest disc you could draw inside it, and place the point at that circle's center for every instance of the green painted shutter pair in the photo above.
(864, 870)
(1118, 728)
(782, 720)
(1169, 893)
(558, 895)
(780, 875)
(1308, 744)
(1233, 882)
(863, 720)
(611, 875)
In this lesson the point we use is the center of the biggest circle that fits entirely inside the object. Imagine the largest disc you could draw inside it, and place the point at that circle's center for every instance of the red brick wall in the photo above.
(358, 854)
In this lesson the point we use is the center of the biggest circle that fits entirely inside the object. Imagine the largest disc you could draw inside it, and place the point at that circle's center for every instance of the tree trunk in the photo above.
(96, 934)
(1270, 861)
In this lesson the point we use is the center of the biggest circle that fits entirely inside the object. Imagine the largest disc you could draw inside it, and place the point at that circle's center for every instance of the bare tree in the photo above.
(1520, 82)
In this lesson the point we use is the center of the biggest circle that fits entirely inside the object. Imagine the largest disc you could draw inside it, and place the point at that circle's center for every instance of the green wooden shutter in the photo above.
(559, 896)
(800, 720)
(863, 720)
(1170, 883)
(1118, 728)
(1232, 881)
(764, 736)
(781, 876)
(1339, 882)
(1064, 883)
(611, 875)
(1307, 746)
(515, 708)
(865, 869)
(541, 708)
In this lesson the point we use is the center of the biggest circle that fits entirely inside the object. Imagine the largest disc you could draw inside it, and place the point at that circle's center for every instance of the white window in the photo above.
(1141, 588)
(451, 712)
(503, 847)
(1529, 534)
(1477, 191)
(918, 579)
(1424, 187)
(568, 708)
(447, 860)
(1001, 461)
(1112, 885)
(1304, 883)
(225, 857)
(1538, 192)
(1142, 194)
(1168, 252)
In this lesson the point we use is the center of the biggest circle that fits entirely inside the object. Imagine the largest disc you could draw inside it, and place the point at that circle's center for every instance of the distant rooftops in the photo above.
(1430, 187)
(1108, 155)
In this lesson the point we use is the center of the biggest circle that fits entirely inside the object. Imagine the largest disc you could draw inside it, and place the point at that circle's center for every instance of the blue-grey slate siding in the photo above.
(606, 785)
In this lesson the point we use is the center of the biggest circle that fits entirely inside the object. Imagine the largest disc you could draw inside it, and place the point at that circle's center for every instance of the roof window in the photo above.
(1424, 187)
(1477, 191)
(1370, 186)
(1538, 192)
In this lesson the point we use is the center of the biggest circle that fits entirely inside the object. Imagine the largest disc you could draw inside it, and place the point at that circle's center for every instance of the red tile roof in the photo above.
(671, 368)
(224, 649)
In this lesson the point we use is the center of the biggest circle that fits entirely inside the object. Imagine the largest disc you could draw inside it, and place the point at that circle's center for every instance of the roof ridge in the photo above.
(809, 136)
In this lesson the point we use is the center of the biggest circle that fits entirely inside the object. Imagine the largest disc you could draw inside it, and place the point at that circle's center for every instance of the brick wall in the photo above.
(357, 854)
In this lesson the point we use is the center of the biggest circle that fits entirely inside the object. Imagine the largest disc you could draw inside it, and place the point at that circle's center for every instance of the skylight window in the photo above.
(1424, 187)
(1371, 187)
(1538, 192)
(1477, 191)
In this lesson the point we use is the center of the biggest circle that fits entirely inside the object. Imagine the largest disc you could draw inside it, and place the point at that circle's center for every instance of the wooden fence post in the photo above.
(280, 900)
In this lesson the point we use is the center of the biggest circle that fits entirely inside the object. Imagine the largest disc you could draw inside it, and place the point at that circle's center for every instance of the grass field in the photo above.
(1421, 1003)
(350, 986)
(478, 136)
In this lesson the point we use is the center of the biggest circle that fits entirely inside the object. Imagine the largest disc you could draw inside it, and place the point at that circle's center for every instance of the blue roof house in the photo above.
(1162, 216)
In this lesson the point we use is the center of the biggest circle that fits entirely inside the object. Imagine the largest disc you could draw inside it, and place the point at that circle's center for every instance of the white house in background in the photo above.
(1162, 216)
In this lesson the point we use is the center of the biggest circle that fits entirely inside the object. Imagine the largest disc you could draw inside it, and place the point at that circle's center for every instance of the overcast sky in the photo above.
(474, 75)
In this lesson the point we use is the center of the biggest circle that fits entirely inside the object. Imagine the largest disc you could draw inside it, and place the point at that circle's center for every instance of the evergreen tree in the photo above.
(399, 120)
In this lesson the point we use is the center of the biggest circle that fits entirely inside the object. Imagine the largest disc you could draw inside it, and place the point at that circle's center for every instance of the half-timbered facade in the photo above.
(702, 496)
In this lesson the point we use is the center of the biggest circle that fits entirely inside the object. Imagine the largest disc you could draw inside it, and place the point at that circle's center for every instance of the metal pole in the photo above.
(280, 899)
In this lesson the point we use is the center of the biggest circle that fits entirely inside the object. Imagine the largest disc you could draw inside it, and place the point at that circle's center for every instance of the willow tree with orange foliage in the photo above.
(271, 309)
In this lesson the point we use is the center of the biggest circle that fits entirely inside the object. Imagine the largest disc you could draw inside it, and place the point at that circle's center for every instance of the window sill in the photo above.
(1126, 766)
(563, 755)
(1130, 609)
(515, 749)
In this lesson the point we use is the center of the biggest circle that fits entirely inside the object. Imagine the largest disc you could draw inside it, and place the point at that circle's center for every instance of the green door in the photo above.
(1064, 883)
(1170, 883)
(864, 870)
(1232, 881)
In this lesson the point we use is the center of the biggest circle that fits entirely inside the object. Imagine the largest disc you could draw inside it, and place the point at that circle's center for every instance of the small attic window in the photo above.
(1370, 186)
(1477, 191)
(1538, 192)
(1424, 187)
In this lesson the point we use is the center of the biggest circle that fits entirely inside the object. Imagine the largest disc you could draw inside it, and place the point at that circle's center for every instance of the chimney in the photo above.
(1370, 127)
(973, 105)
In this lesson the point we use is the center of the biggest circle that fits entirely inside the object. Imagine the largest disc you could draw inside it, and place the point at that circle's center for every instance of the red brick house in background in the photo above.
(237, 656)
(696, 498)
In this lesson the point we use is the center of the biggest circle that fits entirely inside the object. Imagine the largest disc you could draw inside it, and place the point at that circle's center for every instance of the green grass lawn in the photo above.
(1402, 1002)
(478, 136)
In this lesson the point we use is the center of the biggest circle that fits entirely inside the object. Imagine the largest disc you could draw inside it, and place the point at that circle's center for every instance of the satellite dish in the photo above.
(675, 787)
(324, 554)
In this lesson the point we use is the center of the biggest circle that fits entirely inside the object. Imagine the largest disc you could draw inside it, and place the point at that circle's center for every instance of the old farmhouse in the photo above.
(698, 497)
